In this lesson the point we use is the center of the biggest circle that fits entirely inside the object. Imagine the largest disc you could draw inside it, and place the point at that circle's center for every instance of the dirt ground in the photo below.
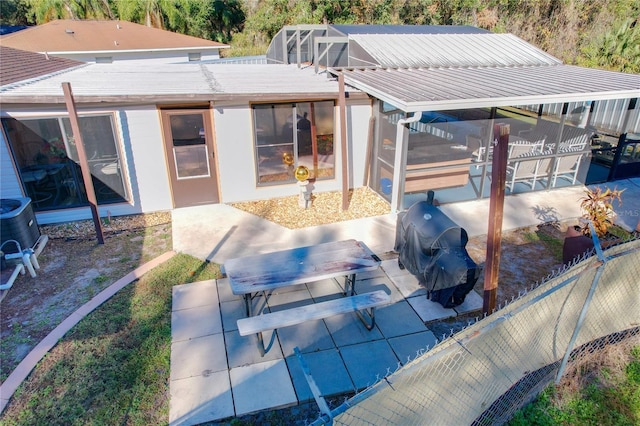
(74, 268)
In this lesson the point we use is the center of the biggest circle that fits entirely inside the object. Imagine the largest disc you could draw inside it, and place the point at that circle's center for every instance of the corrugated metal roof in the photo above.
(124, 82)
(451, 50)
(407, 29)
(461, 88)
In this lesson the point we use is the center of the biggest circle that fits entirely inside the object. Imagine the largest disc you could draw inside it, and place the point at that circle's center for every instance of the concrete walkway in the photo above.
(216, 373)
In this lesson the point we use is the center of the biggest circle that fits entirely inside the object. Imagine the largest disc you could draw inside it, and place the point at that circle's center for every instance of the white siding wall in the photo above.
(138, 129)
(358, 115)
(179, 56)
(236, 156)
(10, 184)
(147, 162)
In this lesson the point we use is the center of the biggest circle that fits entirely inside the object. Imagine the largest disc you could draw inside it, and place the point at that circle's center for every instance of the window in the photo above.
(104, 59)
(47, 159)
(282, 143)
(194, 57)
(189, 146)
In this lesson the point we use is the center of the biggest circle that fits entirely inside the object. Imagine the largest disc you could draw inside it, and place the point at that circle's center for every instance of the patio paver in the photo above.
(261, 386)
(200, 399)
(326, 368)
(197, 356)
(369, 362)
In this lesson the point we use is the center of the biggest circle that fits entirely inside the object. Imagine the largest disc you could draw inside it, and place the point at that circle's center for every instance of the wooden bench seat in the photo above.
(361, 304)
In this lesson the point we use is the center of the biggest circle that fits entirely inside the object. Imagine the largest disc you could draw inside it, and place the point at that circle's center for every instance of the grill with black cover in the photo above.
(433, 248)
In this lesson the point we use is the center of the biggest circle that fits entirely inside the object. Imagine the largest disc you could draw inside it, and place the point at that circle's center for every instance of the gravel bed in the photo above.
(326, 207)
(85, 229)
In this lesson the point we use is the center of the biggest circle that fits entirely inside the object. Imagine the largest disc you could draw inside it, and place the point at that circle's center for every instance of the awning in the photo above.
(422, 89)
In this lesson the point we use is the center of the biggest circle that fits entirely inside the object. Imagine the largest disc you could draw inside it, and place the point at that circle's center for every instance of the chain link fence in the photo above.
(486, 372)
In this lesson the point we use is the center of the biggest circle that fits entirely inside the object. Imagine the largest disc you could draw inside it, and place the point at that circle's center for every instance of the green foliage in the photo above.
(617, 49)
(597, 208)
(49, 10)
(14, 12)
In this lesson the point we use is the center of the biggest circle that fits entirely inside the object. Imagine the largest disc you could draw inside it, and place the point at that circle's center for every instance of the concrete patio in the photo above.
(217, 374)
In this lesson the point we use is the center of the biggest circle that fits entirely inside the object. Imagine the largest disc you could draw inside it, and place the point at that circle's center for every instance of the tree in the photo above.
(225, 18)
(617, 49)
(49, 10)
(151, 13)
(14, 12)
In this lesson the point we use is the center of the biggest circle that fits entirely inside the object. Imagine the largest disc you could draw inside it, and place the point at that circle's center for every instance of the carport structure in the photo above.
(445, 99)
(604, 98)
(437, 92)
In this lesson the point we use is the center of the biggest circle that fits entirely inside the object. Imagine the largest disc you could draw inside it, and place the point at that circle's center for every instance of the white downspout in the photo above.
(400, 161)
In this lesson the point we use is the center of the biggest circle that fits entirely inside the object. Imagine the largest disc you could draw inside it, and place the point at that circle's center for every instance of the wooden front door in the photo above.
(188, 136)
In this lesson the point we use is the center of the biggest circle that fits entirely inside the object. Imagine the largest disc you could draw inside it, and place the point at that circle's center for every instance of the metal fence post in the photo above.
(585, 307)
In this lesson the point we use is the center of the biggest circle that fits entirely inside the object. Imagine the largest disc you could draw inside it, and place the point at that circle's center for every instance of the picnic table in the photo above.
(251, 275)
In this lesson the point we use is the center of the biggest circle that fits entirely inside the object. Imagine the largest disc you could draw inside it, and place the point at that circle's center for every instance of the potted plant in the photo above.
(597, 208)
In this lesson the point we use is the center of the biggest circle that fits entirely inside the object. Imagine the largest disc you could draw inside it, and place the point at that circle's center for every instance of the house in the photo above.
(419, 106)
(111, 41)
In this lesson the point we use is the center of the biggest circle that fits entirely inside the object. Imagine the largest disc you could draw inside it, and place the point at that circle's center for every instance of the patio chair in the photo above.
(476, 146)
(567, 165)
(519, 147)
(525, 168)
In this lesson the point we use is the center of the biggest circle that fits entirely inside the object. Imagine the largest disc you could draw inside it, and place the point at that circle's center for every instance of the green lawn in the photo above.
(113, 367)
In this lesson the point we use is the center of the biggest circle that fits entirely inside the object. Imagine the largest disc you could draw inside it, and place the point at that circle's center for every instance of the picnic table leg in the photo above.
(261, 347)
(350, 281)
(247, 304)
(367, 317)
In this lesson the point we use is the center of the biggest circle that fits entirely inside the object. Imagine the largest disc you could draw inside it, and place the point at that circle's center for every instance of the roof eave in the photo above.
(509, 101)
(205, 97)
(93, 52)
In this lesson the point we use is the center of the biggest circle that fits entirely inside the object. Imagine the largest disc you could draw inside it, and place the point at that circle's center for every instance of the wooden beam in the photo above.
(367, 159)
(314, 140)
(342, 104)
(82, 157)
(496, 210)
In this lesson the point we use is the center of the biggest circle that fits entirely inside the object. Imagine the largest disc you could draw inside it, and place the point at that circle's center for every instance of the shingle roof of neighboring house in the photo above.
(101, 36)
(19, 65)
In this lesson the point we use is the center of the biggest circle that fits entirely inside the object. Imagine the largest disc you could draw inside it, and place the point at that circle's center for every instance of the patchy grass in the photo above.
(551, 242)
(72, 270)
(113, 367)
(603, 389)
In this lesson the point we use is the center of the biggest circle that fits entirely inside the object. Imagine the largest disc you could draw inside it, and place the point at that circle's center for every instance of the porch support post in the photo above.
(314, 141)
(622, 138)
(367, 162)
(496, 210)
(342, 104)
(400, 161)
(82, 157)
